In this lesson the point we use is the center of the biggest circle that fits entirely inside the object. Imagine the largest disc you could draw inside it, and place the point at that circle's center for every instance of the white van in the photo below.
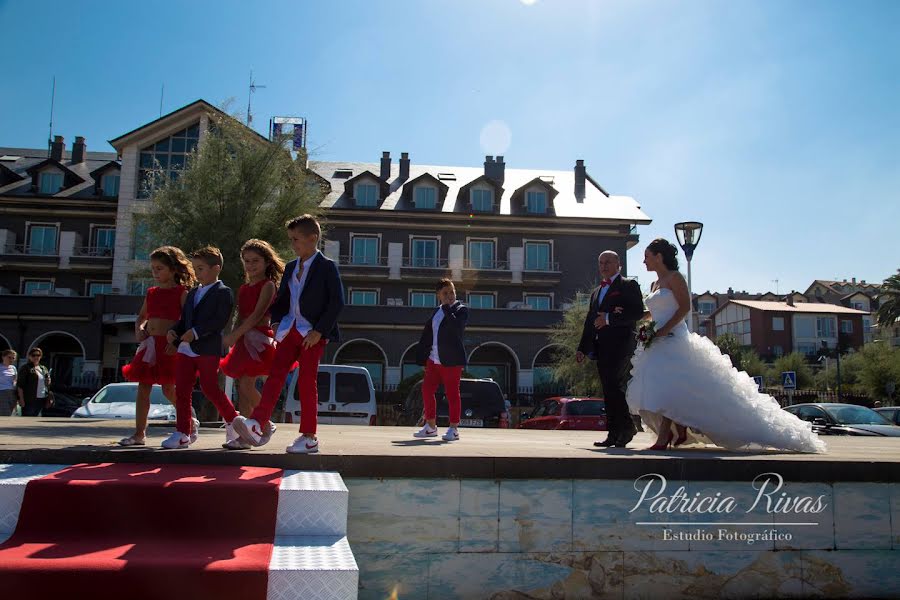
(346, 396)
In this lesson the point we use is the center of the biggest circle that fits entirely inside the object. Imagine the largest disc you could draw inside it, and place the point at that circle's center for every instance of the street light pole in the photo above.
(688, 235)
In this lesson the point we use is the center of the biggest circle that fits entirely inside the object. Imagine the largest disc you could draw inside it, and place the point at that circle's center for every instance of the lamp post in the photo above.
(688, 235)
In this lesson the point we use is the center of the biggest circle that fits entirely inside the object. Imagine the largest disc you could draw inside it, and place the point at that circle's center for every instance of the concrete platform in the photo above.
(480, 454)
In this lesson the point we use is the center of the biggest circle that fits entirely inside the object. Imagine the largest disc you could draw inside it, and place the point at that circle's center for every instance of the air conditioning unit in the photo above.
(391, 302)
(397, 301)
(514, 304)
(64, 292)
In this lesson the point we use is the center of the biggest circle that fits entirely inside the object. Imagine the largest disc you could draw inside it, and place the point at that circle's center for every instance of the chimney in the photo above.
(57, 148)
(79, 150)
(404, 166)
(853, 280)
(730, 293)
(495, 169)
(580, 173)
(790, 299)
(385, 166)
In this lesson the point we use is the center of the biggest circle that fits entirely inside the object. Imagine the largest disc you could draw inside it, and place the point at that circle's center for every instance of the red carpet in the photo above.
(121, 531)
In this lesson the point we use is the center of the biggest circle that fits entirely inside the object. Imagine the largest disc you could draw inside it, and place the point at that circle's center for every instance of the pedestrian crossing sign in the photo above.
(789, 380)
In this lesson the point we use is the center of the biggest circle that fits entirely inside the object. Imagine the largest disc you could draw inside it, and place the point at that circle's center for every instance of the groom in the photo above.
(609, 335)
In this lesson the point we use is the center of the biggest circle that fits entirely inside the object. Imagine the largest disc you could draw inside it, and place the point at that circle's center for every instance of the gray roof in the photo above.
(596, 204)
(19, 160)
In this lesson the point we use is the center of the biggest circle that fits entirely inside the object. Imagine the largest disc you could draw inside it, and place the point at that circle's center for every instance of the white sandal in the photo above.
(132, 441)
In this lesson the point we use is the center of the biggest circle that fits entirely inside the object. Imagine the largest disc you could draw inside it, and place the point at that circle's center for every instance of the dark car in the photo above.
(64, 404)
(481, 401)
(844, 419)
(567, 413)
(891, 413)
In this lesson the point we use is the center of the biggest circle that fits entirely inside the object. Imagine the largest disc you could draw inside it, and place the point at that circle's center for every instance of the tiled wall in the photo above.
(566, 539)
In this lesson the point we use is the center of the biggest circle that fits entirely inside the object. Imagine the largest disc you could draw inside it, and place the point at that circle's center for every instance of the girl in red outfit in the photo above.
(252, 341)
(174, 275)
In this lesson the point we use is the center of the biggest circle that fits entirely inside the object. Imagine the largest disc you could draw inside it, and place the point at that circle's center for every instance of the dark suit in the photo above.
(207, 319)
(450, 337)
(613, 347)
(322, 298)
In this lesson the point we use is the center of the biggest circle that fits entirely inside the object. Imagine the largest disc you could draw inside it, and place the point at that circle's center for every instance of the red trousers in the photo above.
(436, 374)
(187, 368)
(288, 351)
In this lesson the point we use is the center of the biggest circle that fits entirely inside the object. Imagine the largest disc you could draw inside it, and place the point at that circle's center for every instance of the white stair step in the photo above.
(13, 479)
(312, 503)
(319, 567)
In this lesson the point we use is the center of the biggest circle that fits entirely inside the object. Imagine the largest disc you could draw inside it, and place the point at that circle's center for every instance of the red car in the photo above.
(567, 413)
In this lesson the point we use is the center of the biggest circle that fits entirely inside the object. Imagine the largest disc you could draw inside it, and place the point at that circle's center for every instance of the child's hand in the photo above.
(188, 336)
(311, 339)
(171, 349)
(141, 334)
(229, 340)
(171, 337)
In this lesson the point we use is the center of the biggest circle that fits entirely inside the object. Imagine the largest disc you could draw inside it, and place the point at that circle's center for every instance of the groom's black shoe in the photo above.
(609, 441)
(623, 439)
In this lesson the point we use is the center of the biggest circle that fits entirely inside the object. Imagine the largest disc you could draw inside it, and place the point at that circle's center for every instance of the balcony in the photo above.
(30, 256)
(363, 267)
(92, 257)
(547, 273)
(486, 265)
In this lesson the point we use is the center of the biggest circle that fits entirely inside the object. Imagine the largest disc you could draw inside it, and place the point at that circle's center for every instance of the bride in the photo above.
(682, 379)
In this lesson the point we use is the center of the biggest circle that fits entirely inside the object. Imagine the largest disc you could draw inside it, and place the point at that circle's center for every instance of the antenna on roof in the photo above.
(252, 88)
(162, 91)
(52, 100)
(775, 281)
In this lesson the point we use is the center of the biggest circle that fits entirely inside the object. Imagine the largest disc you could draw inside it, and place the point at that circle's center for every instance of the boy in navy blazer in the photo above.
(198, 337)
(442, 352)
(306, 311)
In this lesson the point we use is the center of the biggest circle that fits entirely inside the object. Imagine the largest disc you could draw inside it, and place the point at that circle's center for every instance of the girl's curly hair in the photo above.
(176, 260)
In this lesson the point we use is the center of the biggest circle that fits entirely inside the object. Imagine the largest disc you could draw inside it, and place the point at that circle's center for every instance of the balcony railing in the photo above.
(486, 265)
(420, 262)
(94, 251)
(364, 261)
(29, 250)
(551, 267)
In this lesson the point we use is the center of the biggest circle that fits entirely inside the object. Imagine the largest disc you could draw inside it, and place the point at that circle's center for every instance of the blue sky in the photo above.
(776, 123)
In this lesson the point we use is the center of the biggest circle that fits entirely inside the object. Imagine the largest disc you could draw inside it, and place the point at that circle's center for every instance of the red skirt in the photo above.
(158, 367)
(251, 356)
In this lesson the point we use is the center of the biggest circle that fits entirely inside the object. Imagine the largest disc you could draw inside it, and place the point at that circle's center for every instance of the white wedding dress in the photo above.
(687, 379)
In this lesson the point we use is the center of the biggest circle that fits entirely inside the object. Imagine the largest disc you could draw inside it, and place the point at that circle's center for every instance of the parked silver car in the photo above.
(117, 401)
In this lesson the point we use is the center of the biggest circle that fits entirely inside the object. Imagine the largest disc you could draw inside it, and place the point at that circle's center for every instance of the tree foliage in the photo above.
(795, 361)
(235, 186)
(580, 379)
(889, 301)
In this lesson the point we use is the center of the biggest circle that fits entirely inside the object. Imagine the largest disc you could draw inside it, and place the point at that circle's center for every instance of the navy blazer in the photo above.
(451, 349)
(207, 319)
(322, 298)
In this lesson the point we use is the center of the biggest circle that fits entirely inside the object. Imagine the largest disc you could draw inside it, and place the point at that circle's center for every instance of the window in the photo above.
(139, 286)
(165, 159)
(426, 299)
(777, 323)
(50, 182)
(364, 250)
(846, 326)
(482, 200)
(111, 185)
(858, 306)
(31, 287)
(366, 195)
(537, 256)
(536, 202)
(481, 300)
(141, 248)
(539, 301)
(804, 327)
(807, 348)
(481, 254)
(424, 252)
(42, 240)
(425, 197)
(867, 324)
(104, 241)
(364, 297)
(778, 351)
(825, 327)
(99, 287)
(706, 308)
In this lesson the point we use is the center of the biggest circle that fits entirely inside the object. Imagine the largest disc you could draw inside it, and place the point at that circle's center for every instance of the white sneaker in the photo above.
(195, 430)
(248, 430)
(268, 431)
(176, 441)
(304, 445)
(426, 432)
(451, 435)
(232, 440)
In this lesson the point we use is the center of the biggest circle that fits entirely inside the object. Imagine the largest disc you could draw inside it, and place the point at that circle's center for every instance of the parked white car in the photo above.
(117, 401)
(346, 396)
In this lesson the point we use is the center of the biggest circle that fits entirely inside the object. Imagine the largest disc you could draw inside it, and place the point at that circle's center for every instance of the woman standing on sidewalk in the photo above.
(34, 385)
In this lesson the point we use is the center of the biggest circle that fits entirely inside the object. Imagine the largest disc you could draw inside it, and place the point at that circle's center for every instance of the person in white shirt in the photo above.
(8, 376)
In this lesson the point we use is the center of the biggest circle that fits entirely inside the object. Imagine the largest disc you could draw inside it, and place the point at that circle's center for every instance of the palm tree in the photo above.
(889, 301)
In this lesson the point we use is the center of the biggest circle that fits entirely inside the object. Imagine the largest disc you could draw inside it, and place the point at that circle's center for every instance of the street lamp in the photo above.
(688, 235)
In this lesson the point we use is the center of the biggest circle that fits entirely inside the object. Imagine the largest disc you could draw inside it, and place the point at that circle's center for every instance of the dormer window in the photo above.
(110, 186)
(425, 197)
(366, 195)
(536, 202)
(51, 182)
(482, 200)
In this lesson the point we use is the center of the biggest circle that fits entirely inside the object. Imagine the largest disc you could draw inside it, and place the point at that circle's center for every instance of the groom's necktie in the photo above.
(605, 283)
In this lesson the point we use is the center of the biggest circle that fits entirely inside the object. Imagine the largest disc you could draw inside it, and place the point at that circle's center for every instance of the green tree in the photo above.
(753, 364)
(796, 362)
(580, 379)
(880, 365)
(729, 344)
(236, 186)
(889, 301)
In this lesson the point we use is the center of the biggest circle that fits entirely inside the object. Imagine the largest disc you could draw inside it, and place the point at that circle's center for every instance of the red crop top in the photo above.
(164, 303)
(248, 296)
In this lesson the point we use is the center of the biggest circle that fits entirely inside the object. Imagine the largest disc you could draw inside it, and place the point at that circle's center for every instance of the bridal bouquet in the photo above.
(646, 334)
